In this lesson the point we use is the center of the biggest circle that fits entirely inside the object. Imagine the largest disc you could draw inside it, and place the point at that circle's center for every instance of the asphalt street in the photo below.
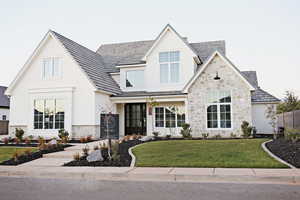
(78, 189)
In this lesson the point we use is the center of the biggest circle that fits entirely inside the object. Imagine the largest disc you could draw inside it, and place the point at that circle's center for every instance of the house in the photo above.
(4, 105)
(66, 85)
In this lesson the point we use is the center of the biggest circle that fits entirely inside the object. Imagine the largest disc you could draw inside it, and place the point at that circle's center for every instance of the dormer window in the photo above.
(169, 66)
(51, 68)
(135, 79)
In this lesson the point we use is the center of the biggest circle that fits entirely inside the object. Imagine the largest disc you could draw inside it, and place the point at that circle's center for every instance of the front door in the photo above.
(135, 119)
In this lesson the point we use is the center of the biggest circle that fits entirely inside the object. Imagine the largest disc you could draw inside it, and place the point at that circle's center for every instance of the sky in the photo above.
(260, 35)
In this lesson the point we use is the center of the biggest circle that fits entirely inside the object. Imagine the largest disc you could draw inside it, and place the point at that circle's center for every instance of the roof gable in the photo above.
(168, 28)
(88, 61)
(206, 64)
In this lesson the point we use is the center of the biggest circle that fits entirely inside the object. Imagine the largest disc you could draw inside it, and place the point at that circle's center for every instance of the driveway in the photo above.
(74, 189)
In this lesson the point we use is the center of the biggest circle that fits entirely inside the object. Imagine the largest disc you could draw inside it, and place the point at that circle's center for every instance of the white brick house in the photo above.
(65, 85)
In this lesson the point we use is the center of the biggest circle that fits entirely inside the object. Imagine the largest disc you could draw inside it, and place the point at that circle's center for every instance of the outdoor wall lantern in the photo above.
(217, 77)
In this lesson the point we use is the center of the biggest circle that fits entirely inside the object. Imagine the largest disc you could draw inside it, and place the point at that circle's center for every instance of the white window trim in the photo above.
(219, 114)
(60, 70)
(134, 88)
(43, 122)
(165, 107)
(169, 69)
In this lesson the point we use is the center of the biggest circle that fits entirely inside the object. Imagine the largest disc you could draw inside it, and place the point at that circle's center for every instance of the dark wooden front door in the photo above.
(135, 118)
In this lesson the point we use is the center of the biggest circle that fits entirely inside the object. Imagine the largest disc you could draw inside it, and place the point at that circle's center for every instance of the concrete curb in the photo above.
(156, 177)
(263, 145)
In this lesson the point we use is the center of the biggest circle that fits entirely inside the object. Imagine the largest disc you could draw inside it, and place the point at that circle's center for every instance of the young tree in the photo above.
(272, 116)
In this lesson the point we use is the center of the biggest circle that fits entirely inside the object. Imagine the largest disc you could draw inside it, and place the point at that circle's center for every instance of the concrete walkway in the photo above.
(59, 158)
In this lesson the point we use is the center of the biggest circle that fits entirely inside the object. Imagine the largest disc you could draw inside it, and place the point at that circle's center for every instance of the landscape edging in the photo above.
(133, 158)
(263, 145)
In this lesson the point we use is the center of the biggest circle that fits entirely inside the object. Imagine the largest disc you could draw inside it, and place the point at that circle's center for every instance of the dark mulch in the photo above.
(78, 141)
(125, 158)
(286, 150)
(35, 155)
(19, 145)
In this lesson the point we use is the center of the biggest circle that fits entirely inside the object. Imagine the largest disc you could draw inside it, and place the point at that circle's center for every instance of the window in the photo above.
(4, 117)
(49, 114)
(135, 78)
(159, 117)
(219, 109)
(51, 68)
(168, 117)
(169, 66)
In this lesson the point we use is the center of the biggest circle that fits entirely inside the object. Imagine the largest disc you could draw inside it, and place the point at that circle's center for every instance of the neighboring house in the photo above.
(65, 85)
(4, 105)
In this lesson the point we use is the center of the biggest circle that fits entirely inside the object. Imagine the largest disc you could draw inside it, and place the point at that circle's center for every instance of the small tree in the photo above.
(152, 103)
(247, 129)
(271, 115)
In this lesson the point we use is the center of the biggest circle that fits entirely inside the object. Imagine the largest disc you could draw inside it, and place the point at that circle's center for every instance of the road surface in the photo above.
(76, 189)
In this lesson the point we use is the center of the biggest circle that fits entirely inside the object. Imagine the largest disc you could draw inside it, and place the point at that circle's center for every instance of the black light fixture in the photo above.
(217, 77)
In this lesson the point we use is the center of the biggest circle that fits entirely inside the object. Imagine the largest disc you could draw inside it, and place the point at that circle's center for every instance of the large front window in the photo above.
(49, 114)
(169, 66)
(218, 110)
(135, 79)
(169, 117)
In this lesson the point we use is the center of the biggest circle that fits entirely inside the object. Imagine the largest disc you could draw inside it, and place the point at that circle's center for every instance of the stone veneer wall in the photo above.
(240, 98)
(85, 130)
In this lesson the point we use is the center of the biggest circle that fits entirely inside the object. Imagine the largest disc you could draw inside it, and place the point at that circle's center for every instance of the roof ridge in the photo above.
(208, 41)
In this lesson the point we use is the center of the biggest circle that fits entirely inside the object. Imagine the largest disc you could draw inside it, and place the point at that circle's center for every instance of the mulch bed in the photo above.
(286, 150)
(35, 155)
(125, 158)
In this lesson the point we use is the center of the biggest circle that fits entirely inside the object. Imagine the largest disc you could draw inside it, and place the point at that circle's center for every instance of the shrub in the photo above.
(16, 140)
(30, 137)
(168, 136)
(155, 134)
(246, 129)
(19, 133)
(5, 140)
(41, 141)
(76, 156)
(86, 150)
(82, 139)
(186, 131)
(96, 147)
(27, 141)
(63, 135)
(43, 146)
(232, 135)
(292, 135)
(205, 135)
(103, 146)
(89, 138)
(218, 136)
(139, 136)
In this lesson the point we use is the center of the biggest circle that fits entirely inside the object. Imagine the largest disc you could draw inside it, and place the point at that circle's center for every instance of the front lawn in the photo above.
(7, 152)
(239, 153)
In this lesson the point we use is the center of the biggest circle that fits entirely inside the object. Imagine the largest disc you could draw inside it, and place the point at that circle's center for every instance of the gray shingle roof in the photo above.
(133, 52)
(145, 94)
(91, 63)
(4, 100)
(258, 95)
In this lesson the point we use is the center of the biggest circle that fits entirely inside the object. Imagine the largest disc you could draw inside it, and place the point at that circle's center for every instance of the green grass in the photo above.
(7, 152)
(242, 153)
